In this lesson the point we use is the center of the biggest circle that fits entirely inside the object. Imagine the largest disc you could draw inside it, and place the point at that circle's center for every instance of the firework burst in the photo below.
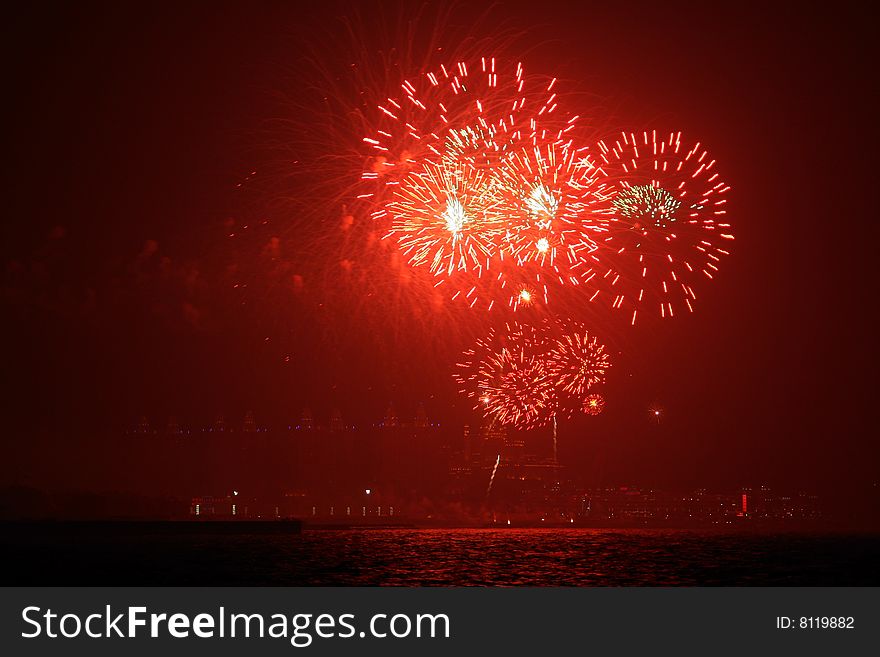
(475, 176)
(594, 404)
(558, 204)
(577, 361)
(506, 377)
(668, 228)
(515, 389)
(526, 375)
(446, 217)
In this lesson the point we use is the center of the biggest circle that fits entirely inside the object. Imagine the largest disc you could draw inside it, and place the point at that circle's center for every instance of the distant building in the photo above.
(306, 422)
(336, 423)
(391, 419)
(421, 419)
(173, 428)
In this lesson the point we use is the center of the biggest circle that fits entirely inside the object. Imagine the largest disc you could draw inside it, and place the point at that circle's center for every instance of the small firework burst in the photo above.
(524, 296)
(656, 414)
(594, 404)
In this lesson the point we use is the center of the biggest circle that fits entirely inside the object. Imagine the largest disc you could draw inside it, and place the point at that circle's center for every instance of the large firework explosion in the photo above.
(320, 245)
(434, 184)
(477, 177)
(518, 202)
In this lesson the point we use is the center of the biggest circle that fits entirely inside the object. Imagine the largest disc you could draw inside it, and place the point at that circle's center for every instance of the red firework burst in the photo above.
(526, 375)
(447, 217)
(577, 360)
(505, 376)
(557, 203)
(477, 179)
(594, 404)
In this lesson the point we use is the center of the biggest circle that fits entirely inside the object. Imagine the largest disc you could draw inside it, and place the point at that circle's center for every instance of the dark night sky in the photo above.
(128, 129)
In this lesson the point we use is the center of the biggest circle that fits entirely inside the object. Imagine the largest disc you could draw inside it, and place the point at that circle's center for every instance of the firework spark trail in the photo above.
(492, 477)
